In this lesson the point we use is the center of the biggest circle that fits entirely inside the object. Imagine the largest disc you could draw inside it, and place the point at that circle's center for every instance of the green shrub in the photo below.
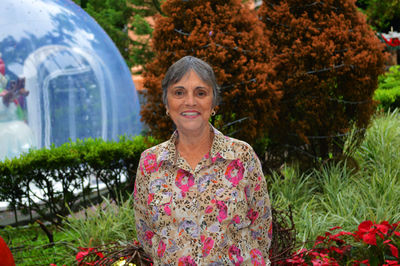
(61, 174)
(388, 92)
(99, 225)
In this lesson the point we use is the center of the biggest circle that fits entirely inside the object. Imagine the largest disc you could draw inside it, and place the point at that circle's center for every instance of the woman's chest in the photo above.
(210, 195)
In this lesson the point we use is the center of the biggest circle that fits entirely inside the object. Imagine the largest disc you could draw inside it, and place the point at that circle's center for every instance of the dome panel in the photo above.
(61, 77)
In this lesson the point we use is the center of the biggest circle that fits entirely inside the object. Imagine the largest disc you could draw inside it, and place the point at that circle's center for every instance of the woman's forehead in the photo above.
(192, 76)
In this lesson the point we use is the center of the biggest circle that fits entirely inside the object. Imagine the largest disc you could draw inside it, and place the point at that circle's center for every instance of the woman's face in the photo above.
(190, 103)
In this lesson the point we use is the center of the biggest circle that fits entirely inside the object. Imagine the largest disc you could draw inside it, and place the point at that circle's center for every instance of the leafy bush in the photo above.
(99, 225)
(61, 174)
(388, 92)
(103, 223)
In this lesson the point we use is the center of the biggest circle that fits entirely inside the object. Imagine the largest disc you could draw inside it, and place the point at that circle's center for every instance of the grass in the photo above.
(102, 224)
(338, 196)
(30, 245)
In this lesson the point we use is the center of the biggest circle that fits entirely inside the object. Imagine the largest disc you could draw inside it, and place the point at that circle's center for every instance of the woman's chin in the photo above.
(192, 126)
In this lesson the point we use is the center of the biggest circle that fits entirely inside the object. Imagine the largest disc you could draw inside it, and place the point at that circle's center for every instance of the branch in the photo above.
(47, 231)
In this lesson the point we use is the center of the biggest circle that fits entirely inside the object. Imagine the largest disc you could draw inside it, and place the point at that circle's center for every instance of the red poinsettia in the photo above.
(370, 241)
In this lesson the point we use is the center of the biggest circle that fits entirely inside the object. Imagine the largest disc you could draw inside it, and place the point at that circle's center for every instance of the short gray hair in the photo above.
(179, 69)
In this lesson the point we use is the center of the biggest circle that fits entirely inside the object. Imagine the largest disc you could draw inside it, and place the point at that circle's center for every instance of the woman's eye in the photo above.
(178, 93)
(201, 93)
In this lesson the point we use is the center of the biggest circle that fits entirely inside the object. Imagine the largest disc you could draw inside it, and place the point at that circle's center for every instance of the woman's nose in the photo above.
(190, 99)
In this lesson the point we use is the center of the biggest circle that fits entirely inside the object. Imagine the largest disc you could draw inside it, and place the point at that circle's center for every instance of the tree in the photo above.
(118, 17)
(228, 36)
(327, 62)
(382, 15)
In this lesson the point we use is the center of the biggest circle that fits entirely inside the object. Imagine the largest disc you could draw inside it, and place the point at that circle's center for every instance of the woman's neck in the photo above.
(193, 147)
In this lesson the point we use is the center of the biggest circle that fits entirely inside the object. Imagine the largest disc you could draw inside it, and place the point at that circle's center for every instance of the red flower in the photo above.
(296, 260)
(394, 250)
(340, 250)
(367, 232)
(85, 252)
(370, 238)
(364, 227)
(391, 262)
(365, 262)
(384, 227)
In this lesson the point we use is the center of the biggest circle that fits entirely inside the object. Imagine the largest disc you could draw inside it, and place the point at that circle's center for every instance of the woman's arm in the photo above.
(144, 230)
(259, 211)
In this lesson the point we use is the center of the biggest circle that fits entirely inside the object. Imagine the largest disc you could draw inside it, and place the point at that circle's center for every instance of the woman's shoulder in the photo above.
(157, 149)
(231, 144)
(238, 146)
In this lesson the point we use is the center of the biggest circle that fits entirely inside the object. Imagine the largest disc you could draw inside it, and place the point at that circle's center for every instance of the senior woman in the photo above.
(200, 197)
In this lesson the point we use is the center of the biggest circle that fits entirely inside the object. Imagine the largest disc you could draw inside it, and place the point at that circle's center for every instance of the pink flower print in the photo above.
(257, 258)
(150, 198)
(209, 209)
(223, 211)
(150, 163)
(167, 209)
(184, 181)
(216, 157)
(235, 219)
(234, 172)
(148, 235)
(252, 215)
(234, 255)
(186, 261)
(161, 249)
(247, 192)
(257, 188)
(208, 244)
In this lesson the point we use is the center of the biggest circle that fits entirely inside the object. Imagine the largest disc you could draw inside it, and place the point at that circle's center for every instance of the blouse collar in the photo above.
(221, 147)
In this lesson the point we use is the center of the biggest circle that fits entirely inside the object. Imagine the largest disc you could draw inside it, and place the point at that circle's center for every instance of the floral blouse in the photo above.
(217, 214)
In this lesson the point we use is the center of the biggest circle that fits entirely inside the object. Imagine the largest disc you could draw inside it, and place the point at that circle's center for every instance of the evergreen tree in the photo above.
(227, 35)
(118, 17)
(327, 62)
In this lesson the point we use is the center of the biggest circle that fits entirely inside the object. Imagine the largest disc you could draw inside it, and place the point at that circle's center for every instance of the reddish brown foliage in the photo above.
(327, 61)
(229, 37)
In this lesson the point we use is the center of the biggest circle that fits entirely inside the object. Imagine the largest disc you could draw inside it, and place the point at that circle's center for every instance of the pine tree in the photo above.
(227, 35)
(327, 62)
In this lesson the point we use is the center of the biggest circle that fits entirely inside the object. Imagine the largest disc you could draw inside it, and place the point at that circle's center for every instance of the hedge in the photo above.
(29, 182)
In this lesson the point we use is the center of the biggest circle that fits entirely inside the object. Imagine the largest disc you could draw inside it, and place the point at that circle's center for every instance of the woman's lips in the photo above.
(190, 114)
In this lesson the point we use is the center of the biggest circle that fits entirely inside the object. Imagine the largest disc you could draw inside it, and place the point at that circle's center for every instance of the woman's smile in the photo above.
(191, 114)
(190, 103)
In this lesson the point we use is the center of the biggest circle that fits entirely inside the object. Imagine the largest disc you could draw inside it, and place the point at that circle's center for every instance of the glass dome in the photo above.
(61, 78)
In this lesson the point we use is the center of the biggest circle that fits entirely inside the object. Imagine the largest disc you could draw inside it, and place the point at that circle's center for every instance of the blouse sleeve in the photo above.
(259, 210)
(144, 231)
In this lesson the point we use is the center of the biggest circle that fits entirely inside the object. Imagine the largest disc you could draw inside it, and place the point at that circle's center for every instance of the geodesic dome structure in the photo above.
(61, 78)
